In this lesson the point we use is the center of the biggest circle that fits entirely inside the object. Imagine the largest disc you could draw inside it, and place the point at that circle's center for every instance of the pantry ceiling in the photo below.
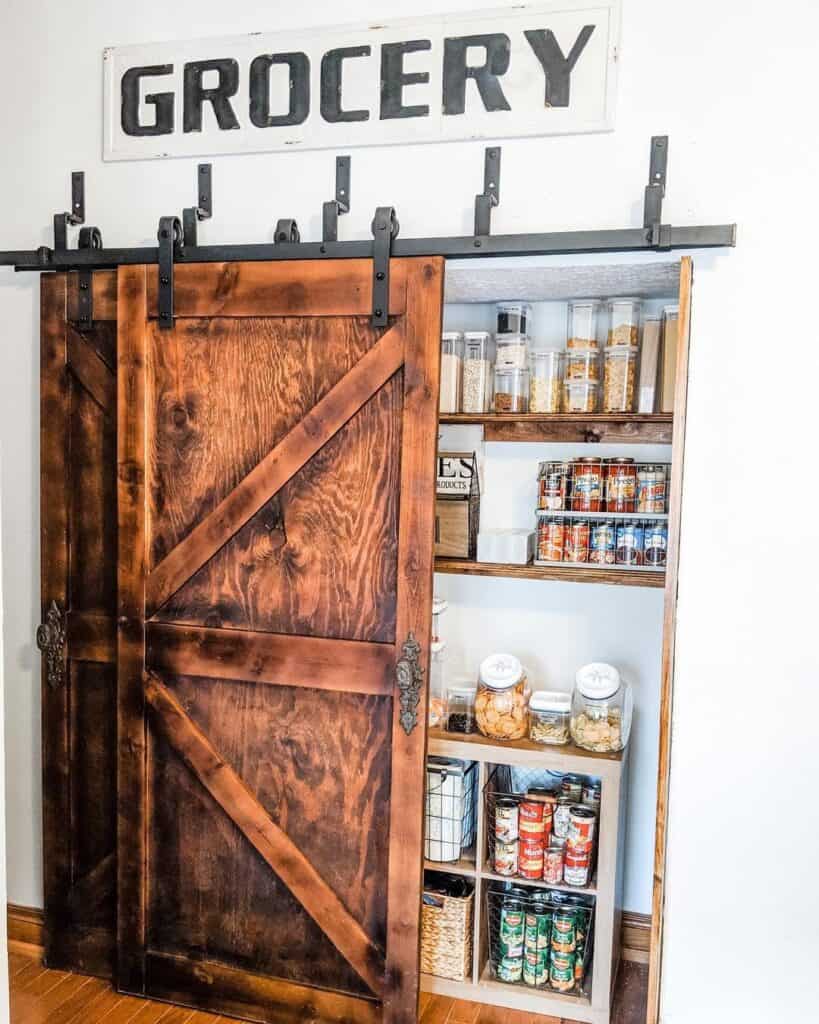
(554, 284)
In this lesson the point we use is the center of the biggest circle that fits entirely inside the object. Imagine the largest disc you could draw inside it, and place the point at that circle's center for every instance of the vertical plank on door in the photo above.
(131, 738)
(54, 487)
(415, 574)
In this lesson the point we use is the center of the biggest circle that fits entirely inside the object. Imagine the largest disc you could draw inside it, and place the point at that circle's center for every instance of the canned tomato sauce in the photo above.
(531, 818)
(576, 541)
(621, 485)
(550, 540)
(587, 485)
(530, 861)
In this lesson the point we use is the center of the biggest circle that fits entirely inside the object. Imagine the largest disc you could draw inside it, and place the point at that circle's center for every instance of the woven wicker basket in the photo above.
(446, 935)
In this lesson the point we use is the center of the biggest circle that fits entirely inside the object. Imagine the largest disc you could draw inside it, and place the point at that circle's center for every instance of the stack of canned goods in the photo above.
(602, 541)
(592, 485)
(547, 835)
(539, 939)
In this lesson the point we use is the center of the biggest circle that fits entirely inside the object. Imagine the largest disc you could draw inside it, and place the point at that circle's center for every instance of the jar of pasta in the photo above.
(581, 332)
(619, 379)
(502, 698)
(602, 705)
(545, 380)
(549, 713)
(624, 321)
(511, 390)
(582, 365)
(580, 396)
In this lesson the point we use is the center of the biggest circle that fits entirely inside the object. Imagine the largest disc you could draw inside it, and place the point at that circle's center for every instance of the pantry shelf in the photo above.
(588, 890)
(572, 573)
(594, 428)
(465, 866)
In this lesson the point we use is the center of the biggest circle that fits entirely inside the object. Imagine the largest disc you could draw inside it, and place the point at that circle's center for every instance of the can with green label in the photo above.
(536, 968)
(564, 931)
(561, 971)
(510, 968)
(512, 928)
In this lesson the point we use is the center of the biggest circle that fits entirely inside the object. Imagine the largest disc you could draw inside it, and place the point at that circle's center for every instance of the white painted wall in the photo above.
(733, 83)
(4, 962)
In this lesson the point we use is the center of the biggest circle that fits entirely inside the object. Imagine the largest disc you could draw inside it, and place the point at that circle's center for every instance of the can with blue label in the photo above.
(601, 545)
(630, 546)
(656, 544)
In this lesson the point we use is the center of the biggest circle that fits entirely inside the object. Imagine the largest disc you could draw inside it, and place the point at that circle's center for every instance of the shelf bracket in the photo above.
(332, 210)
(384, 228)
(287, 230)
(170, 242)
(659, 233)
(204, 208)
(490, 197)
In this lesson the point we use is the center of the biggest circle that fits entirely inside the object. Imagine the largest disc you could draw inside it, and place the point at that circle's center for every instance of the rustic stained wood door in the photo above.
(77, 635)
(276, 458)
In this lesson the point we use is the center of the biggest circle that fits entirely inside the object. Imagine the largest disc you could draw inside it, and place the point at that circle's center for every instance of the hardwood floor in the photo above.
(40, 996)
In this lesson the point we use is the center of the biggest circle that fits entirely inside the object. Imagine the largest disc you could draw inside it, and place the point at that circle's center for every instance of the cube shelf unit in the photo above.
(606, 887)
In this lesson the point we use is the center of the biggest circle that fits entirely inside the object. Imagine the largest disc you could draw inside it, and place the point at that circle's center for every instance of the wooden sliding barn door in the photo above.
(77, 635)
(276, 494)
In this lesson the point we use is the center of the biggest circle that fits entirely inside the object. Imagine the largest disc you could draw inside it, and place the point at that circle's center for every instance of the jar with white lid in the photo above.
(479, 354)
(549, 716)
(452, 350)
(602, 705)
(502, 698)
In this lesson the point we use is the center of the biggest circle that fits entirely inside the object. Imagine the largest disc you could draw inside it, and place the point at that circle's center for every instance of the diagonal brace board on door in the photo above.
(296, 448)
(274, 845)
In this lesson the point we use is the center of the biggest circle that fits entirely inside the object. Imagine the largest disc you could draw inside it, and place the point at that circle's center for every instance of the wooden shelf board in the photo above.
(566, 758)
(591, 428)
(465, 866)
(514, 997)
(490, 876)
(620, 576)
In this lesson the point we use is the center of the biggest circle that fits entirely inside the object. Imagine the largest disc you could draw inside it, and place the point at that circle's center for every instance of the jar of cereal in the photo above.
(502, 698)
(619, 378)
(624, 321)
(545, 381)
(581, 332)
(580, 396)
(476, 392)
(511, 390)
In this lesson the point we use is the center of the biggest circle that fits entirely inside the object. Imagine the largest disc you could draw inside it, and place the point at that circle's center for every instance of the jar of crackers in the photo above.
(501, 703)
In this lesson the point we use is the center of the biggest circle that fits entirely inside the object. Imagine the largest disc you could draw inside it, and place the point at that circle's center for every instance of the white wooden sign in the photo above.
(540, 69)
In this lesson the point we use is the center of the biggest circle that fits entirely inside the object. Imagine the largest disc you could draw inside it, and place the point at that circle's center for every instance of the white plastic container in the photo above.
(514, 318)
(511, 547)
(549, 716)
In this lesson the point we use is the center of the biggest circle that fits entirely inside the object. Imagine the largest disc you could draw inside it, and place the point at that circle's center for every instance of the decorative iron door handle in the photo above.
(409, 676)
(51, 641)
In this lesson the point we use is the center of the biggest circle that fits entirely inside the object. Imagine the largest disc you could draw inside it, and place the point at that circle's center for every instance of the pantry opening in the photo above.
(579, 366)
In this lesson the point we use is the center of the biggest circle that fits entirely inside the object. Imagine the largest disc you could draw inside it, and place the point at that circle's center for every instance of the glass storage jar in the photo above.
(511, 390)
(549, 715)
(624, 321)
(582, 365)
(501, 700)
(619, 378)
(437, 684)
(460, 709)
(476, 389)
(511, 352)
(545, 378)
(580, 396)
(514, 318)
(581, 331)
(602, 705)
(452, 350)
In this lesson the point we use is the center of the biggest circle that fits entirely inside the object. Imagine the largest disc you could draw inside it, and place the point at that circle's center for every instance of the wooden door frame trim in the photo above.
(669, 637)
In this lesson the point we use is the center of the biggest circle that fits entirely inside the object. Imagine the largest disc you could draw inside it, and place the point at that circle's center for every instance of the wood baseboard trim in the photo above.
(25, 925)
(25, 931)
(635, 937)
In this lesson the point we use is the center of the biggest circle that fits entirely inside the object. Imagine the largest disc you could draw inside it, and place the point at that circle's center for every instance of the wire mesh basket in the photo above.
(509, 786)
(540, 938)
(451, 808)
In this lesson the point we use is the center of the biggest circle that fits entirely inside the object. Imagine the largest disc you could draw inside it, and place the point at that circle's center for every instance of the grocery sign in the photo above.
(543, 69)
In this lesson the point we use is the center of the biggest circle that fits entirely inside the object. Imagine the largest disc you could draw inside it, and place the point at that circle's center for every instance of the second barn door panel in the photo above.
(276, 492)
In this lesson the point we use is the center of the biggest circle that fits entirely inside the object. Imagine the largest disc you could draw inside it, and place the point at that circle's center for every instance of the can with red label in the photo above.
(506, 858)
(530, 864)
(621, 485)
(576, 866)
(572, 788)
(553, 485)
(553, 864)
(576, 541)
(551, 537)
(582, 822)
(531, 819)
(587, 485)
